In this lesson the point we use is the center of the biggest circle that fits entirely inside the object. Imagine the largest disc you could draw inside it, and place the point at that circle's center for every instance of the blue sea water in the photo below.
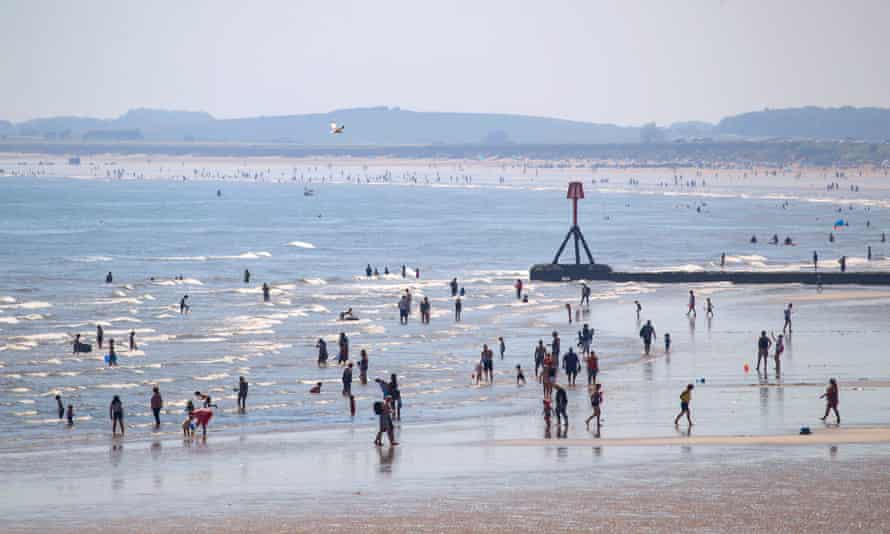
(59, 237)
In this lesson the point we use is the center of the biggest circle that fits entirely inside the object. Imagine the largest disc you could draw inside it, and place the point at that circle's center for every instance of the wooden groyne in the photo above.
(551, 272)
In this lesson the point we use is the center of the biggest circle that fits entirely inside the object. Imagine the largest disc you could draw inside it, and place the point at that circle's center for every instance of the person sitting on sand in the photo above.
(316, 388)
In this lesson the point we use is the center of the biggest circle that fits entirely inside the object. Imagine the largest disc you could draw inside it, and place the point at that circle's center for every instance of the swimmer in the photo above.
(266, 292)
(348, 315)
(316, 388)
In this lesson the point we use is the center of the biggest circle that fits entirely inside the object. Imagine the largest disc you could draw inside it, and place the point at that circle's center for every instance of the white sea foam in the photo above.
(300, 244)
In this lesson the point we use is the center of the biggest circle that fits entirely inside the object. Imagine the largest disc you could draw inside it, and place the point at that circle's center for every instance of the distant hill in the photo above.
(384, 126)
(364, 126)
(868, 124)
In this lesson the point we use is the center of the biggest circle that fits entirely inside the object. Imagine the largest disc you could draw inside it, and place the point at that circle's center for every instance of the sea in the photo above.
(166, 229)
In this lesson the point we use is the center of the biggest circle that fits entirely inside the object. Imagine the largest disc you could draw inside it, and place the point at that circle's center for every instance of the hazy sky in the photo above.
(622, 61)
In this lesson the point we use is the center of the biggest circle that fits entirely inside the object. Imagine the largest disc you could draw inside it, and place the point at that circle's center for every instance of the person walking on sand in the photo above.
(786, 328)
(831, 400)
(685, 399)
(691, 309)
(562, 403)
(596, 401)
(363, 368)
(116, 413)
(156, 404)
(647, 333)
(593, 367)
(639, 308)
(709, 308)
(458, 306)
(502, 346)
(763, 345)
(242, 393)
(384, 414)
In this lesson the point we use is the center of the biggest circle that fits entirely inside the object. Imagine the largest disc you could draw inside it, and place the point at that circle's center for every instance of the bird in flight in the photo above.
(337, 129)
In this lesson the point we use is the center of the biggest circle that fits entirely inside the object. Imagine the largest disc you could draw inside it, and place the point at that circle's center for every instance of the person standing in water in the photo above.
(322, 347)
(425, 310)
(396, 395)
(363, 367)
(100, 334)
(404, 271)
(540, 353)
(453, 285)
(639, 308)
(585, 295)
(112, 355)
(647, 333)
(569, 310)
(183, 305)
(518, 287)
(691, 310)
(709, 308)
(61, 407)
(487, 364)
(116, 413)
(369, 271)
(108, 278)
(815, 261)
(831, 400)
(403, 310)
(779, 343)
(246, 276)
(685, 400)
(347, 380)
(132, 340)
(843, 263)
(763, 345)
(786, 328)
(265, 292)
(156, 404)
(242, 393)
(723, 260)
(502, 346)
(343, 343)
(458, 306)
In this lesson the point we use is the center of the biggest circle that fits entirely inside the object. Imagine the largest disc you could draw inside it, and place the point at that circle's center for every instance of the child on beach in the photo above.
(520, 377)
(685, 399)
(187, 426)
(779, 343)
(596, 400)
(831, 400)
(477, 373)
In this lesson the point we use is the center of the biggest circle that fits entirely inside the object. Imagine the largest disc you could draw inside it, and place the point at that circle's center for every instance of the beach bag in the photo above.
(378, 408)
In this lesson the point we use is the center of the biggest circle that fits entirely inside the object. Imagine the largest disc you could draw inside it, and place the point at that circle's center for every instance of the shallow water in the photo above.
(58, 238)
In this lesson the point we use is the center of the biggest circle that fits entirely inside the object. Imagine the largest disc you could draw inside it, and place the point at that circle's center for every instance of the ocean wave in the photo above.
(92, 259)
(300, 244)
(313, 281)
(30, 305)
